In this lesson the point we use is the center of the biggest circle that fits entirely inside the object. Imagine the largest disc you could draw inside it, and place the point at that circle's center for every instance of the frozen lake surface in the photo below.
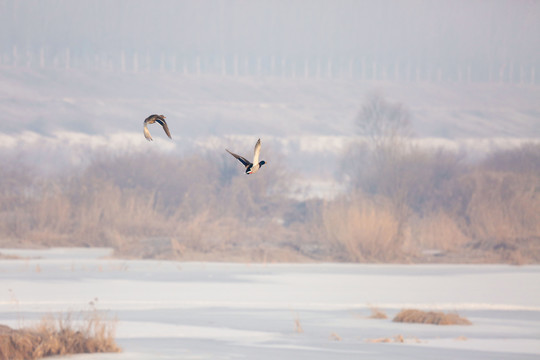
(196, 310)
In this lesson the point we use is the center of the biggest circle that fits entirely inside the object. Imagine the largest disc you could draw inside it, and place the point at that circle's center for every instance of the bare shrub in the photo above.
(524, 159)
(430, 317)
(503, 208)
(363, 229)
(403, 200)
(437, 231)
(387, 126)
(377, 313)
(382, 121)
(428, 178)
(489, 211)
(58, 336)
(415, 180)
(16, 183)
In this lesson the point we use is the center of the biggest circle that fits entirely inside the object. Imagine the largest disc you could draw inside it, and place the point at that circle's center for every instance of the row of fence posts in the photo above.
(274, 66)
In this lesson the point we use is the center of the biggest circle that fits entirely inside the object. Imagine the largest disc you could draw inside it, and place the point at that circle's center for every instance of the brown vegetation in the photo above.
(57, 336)
(430, 317)
(297, 326)
(152, 206)
(437, 204)
(433, 205)
(395, 339)
(417, 206)
(361, 228)
(377, 313)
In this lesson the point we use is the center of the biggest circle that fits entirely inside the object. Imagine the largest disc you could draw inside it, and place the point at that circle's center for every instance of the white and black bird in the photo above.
(251, 167)
(160, 119)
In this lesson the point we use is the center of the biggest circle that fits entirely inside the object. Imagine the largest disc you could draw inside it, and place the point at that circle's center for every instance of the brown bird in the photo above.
(160, 119)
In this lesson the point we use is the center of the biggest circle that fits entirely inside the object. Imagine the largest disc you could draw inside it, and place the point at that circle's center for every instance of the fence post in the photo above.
(68, 59)
(135, 62)
(15, 55)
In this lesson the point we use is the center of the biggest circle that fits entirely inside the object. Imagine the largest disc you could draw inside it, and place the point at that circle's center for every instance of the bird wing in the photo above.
(147, 133)
(240, 158)
(256, 152)
(163, 123)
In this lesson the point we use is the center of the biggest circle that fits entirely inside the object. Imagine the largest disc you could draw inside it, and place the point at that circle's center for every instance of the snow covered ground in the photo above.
(176, 310)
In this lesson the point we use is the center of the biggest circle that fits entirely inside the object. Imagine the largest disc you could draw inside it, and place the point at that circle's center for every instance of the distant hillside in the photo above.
(45, 101)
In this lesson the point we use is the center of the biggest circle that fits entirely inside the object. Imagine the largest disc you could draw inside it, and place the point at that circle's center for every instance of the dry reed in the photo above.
(376, 313)
(486, 212)
(430, 317)
(58, 336)
(395, 339)
(365, 229)
(297, 326)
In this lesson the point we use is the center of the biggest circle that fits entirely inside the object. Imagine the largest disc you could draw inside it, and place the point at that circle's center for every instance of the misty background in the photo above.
(77, 79)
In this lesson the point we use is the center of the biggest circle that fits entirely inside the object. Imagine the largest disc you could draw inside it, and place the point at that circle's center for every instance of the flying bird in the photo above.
(160, 119)
(251, 167)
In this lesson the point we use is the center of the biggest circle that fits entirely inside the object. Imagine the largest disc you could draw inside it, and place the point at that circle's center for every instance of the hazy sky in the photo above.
(401, 41)
(424, 31)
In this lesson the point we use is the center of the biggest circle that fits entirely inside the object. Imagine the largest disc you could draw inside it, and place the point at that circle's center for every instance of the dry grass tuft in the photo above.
(430, 317)
(58, 336)
(363, 228)
(9, 257)
(377, 313)
(297, 325)
(395, 339)
(438, 231)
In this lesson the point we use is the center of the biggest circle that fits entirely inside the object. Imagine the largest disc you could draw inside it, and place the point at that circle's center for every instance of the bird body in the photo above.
(160, 119)
(251, 167)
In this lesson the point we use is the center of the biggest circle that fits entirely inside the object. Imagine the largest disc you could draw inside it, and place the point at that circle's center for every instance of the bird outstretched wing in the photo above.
(256, 152)
(240, 158)
(147, 133)
(163, 123)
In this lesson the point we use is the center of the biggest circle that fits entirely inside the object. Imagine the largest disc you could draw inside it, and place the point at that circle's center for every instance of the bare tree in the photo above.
(384, 123)
(387, 128)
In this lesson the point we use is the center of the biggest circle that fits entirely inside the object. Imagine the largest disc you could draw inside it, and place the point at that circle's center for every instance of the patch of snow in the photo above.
(195, 310)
